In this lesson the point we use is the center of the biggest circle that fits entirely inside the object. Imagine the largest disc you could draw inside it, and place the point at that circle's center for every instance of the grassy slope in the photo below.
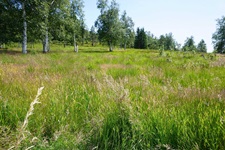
(130, 99)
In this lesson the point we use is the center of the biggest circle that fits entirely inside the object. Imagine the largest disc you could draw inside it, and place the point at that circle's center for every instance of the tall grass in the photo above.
(23, 131)
(130, 99)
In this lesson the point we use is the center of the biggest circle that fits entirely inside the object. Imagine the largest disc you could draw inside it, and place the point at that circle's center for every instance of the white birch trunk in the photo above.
(45, 41)
(77, 48)
(92, 42)
(24, 43)
(110, 47)
(74, 43)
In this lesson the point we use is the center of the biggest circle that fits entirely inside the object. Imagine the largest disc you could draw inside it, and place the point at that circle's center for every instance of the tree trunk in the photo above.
(32, 44)
(45, 41)
(24, 43)
(64, 44)
(82, 41)
(110, 47)
(77, 48)
(75, 43)
(125, 46)
(92, 42)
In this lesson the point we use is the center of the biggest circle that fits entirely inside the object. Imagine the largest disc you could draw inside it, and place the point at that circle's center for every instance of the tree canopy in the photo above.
(202, 46)
(140, 39)
(219, 36)
(189, 44)
(127, 30)
(108, 23)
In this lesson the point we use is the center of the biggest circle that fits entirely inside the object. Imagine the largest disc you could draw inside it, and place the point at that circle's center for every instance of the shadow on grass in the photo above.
(70, 52)
(9, 52)
(17, 52)
(95, 51)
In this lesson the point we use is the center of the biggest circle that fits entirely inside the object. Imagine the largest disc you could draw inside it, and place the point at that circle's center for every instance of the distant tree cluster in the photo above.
(144, 40)
(189, 45)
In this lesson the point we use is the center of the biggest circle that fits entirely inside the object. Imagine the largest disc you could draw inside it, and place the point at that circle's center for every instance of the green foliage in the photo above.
(9, 27)
(127, 30)
(93, 36)
(46, 20)
(189, 44)
(108, 23)
(167, 42)
(219, 36)
(152, 41)
(202, 46)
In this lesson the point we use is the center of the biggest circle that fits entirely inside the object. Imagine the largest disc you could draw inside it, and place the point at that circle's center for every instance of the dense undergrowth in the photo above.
(94, 99)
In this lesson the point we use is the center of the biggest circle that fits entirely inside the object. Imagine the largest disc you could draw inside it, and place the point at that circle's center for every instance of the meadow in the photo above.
(126, 99)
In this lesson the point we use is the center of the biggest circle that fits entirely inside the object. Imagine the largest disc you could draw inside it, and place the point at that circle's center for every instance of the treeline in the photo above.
(64, 21)
(146, 40)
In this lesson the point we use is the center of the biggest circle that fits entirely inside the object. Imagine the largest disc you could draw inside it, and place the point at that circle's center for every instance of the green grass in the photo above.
(95, 99)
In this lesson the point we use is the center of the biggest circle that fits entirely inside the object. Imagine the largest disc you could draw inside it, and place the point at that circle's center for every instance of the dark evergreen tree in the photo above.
(140, 39)
(202, 46)
(189, 44)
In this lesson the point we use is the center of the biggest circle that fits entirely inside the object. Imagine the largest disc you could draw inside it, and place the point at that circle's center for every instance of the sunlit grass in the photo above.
(95, 99)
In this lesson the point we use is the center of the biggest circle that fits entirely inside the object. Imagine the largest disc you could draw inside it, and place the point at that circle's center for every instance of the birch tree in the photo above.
(24, 43)
(44, 9)
(15, 15)
(60, 21)
(77, 18)
(127, 29)
(108, 23)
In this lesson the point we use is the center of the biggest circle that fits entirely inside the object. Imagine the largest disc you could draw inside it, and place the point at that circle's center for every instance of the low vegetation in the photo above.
(95, 99)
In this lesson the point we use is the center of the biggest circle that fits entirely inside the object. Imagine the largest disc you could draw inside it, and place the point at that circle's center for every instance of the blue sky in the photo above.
(184, 18)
